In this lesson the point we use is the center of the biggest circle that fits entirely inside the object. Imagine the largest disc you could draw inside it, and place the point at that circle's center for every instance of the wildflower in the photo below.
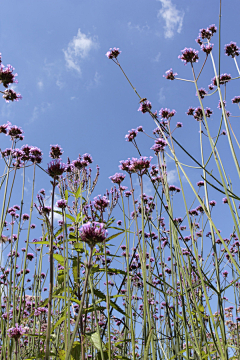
(55, 168)
(225, 273)
(4, 127)
(207, 48)
(220, 104)
(100, 203)
(11, 95)
(126, 165)
(189, 55)
(131, 135)
(193, 212)
(224, 132)
(225, 200)
(202, 92)
(198, 41)
(62, 204)
(179, 125)
(200, 183)
(190, 111)
(159, 145)
(88, 158)
(36, 155)
(25, 217)
(223, 79)
(55, 152)
(16, 332)
(212, 203)
(170, 75)
(117, 178)
(166, 113)
(232, 49)
(113, 53)
(236, 100)
(93, 233)
(15, 132)
(145, 106)
(140, 129)
(141, 165)
(32, 226)
(30, 256)
(119, 222)
(6, 75)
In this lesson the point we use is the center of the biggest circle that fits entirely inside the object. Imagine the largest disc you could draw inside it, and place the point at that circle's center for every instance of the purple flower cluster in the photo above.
(145, 106)
(61, 204)
(166, 113)
(55, 152)
(138, 166)
(223, 79)
(6, 75)
(159, 145)
(198, 113)
(232, 49)
(117, 178)
(55, 168)
(170, 75)
(93, 233)
(11, 95)
(113, 53)
(189, 55)
(16, 332)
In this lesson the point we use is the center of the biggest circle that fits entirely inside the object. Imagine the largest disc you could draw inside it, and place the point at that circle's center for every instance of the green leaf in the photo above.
(58, 323)
(201, 308)
(60, 276)
(96, 341)
(78, 247)
(76, 350)
(59, 259)
(40, 243)
(66, 195)
(75, 270)
(61, 354)
(78, 192)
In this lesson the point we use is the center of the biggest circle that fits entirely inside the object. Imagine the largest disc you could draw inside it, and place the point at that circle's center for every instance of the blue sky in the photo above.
(74, 96)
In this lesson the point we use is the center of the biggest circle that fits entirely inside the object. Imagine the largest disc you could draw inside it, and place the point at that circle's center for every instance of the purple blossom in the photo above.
(16, 332)
(223, 79)
(113, 53)
(30, 256)
(55, 152)
(145, 106)
(225, 200)
(236, 100)
(212, 203)
(25, 217)
(225, 274)
(55, 168)
(100, 203)
(141, 165)
(207, 48)
(15, 132)
(131, 135)
(202, 93)
(93, 233)
(179, 125)
(11, 95)
(232, 49)
(61, 204)
(170, 75)
(6, 75)
(189, 55)
(140, 129)
(117, 178)
(159, 145)
(166, 113)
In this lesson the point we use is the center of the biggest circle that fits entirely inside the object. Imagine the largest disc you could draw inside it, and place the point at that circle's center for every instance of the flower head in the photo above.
(55, 168)
(93, 233)
(232, 49)
(61, 204)
(189, 55)
(145, 106)
(166, 113)
(55, 152)
(170, 75)
(117, 178)
(11, 95)
(113, 53)
(6, 75)
(16, 332)
(236, 100)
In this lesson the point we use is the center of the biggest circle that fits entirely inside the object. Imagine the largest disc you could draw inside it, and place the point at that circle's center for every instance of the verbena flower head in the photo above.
(93, 233)
(189, 55)
(141, 165)
(100, 203)
(117, 178)
(61, 204)
(55, 152)
(6, 75)
(11, 95)
(159, 145)
(170, 75)
(126, 165)
(223, 79)
(145, 106)
(15, 132)
(4, 128)
(113, 53)
(236, 100)
(207, 48)
(36, 155)
(55, 168)
(166, 113)
(232, 49)
(131, 135)
(16, 332)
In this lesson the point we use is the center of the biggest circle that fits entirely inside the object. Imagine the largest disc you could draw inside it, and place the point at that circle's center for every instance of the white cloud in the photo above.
(138, 27)
(40, 85)
(78, 48)
(172, 177)
(37, 110)
(161, 96)
(157, 57)
(94, 82)
(173, 18)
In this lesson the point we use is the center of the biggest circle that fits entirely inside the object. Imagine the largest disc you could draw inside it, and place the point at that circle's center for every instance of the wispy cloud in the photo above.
(37, 110)
(40, 85)
(138, 27)
(161, 96)
(173, 18)
(78, 49)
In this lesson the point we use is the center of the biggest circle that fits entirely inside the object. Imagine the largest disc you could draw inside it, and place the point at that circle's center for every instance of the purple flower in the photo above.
(25, 217)
(141, 165)
(232, 49)
(16, 332)
(145, 106)
(113, 53)
(126, 165)
(189, 55)
(159, 145)
(61, 204)
(15, 132)
(170, 75)
(224, 132)
(225, 200)
(36, 155)
(131, 135)
(179, 125)
(30, 256)
(225, 273)
(202, 92)
(119, 222)
(11, 95)
(55, 168)
(117, 178)
(220, 105)
(55, 152)
(236, 100)
(166, 113)
(207, 48)
(140, 129)
(93, 233)
(212, 203)
(100, 203)
(6, 75)
(223, 79)
(4, 128)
